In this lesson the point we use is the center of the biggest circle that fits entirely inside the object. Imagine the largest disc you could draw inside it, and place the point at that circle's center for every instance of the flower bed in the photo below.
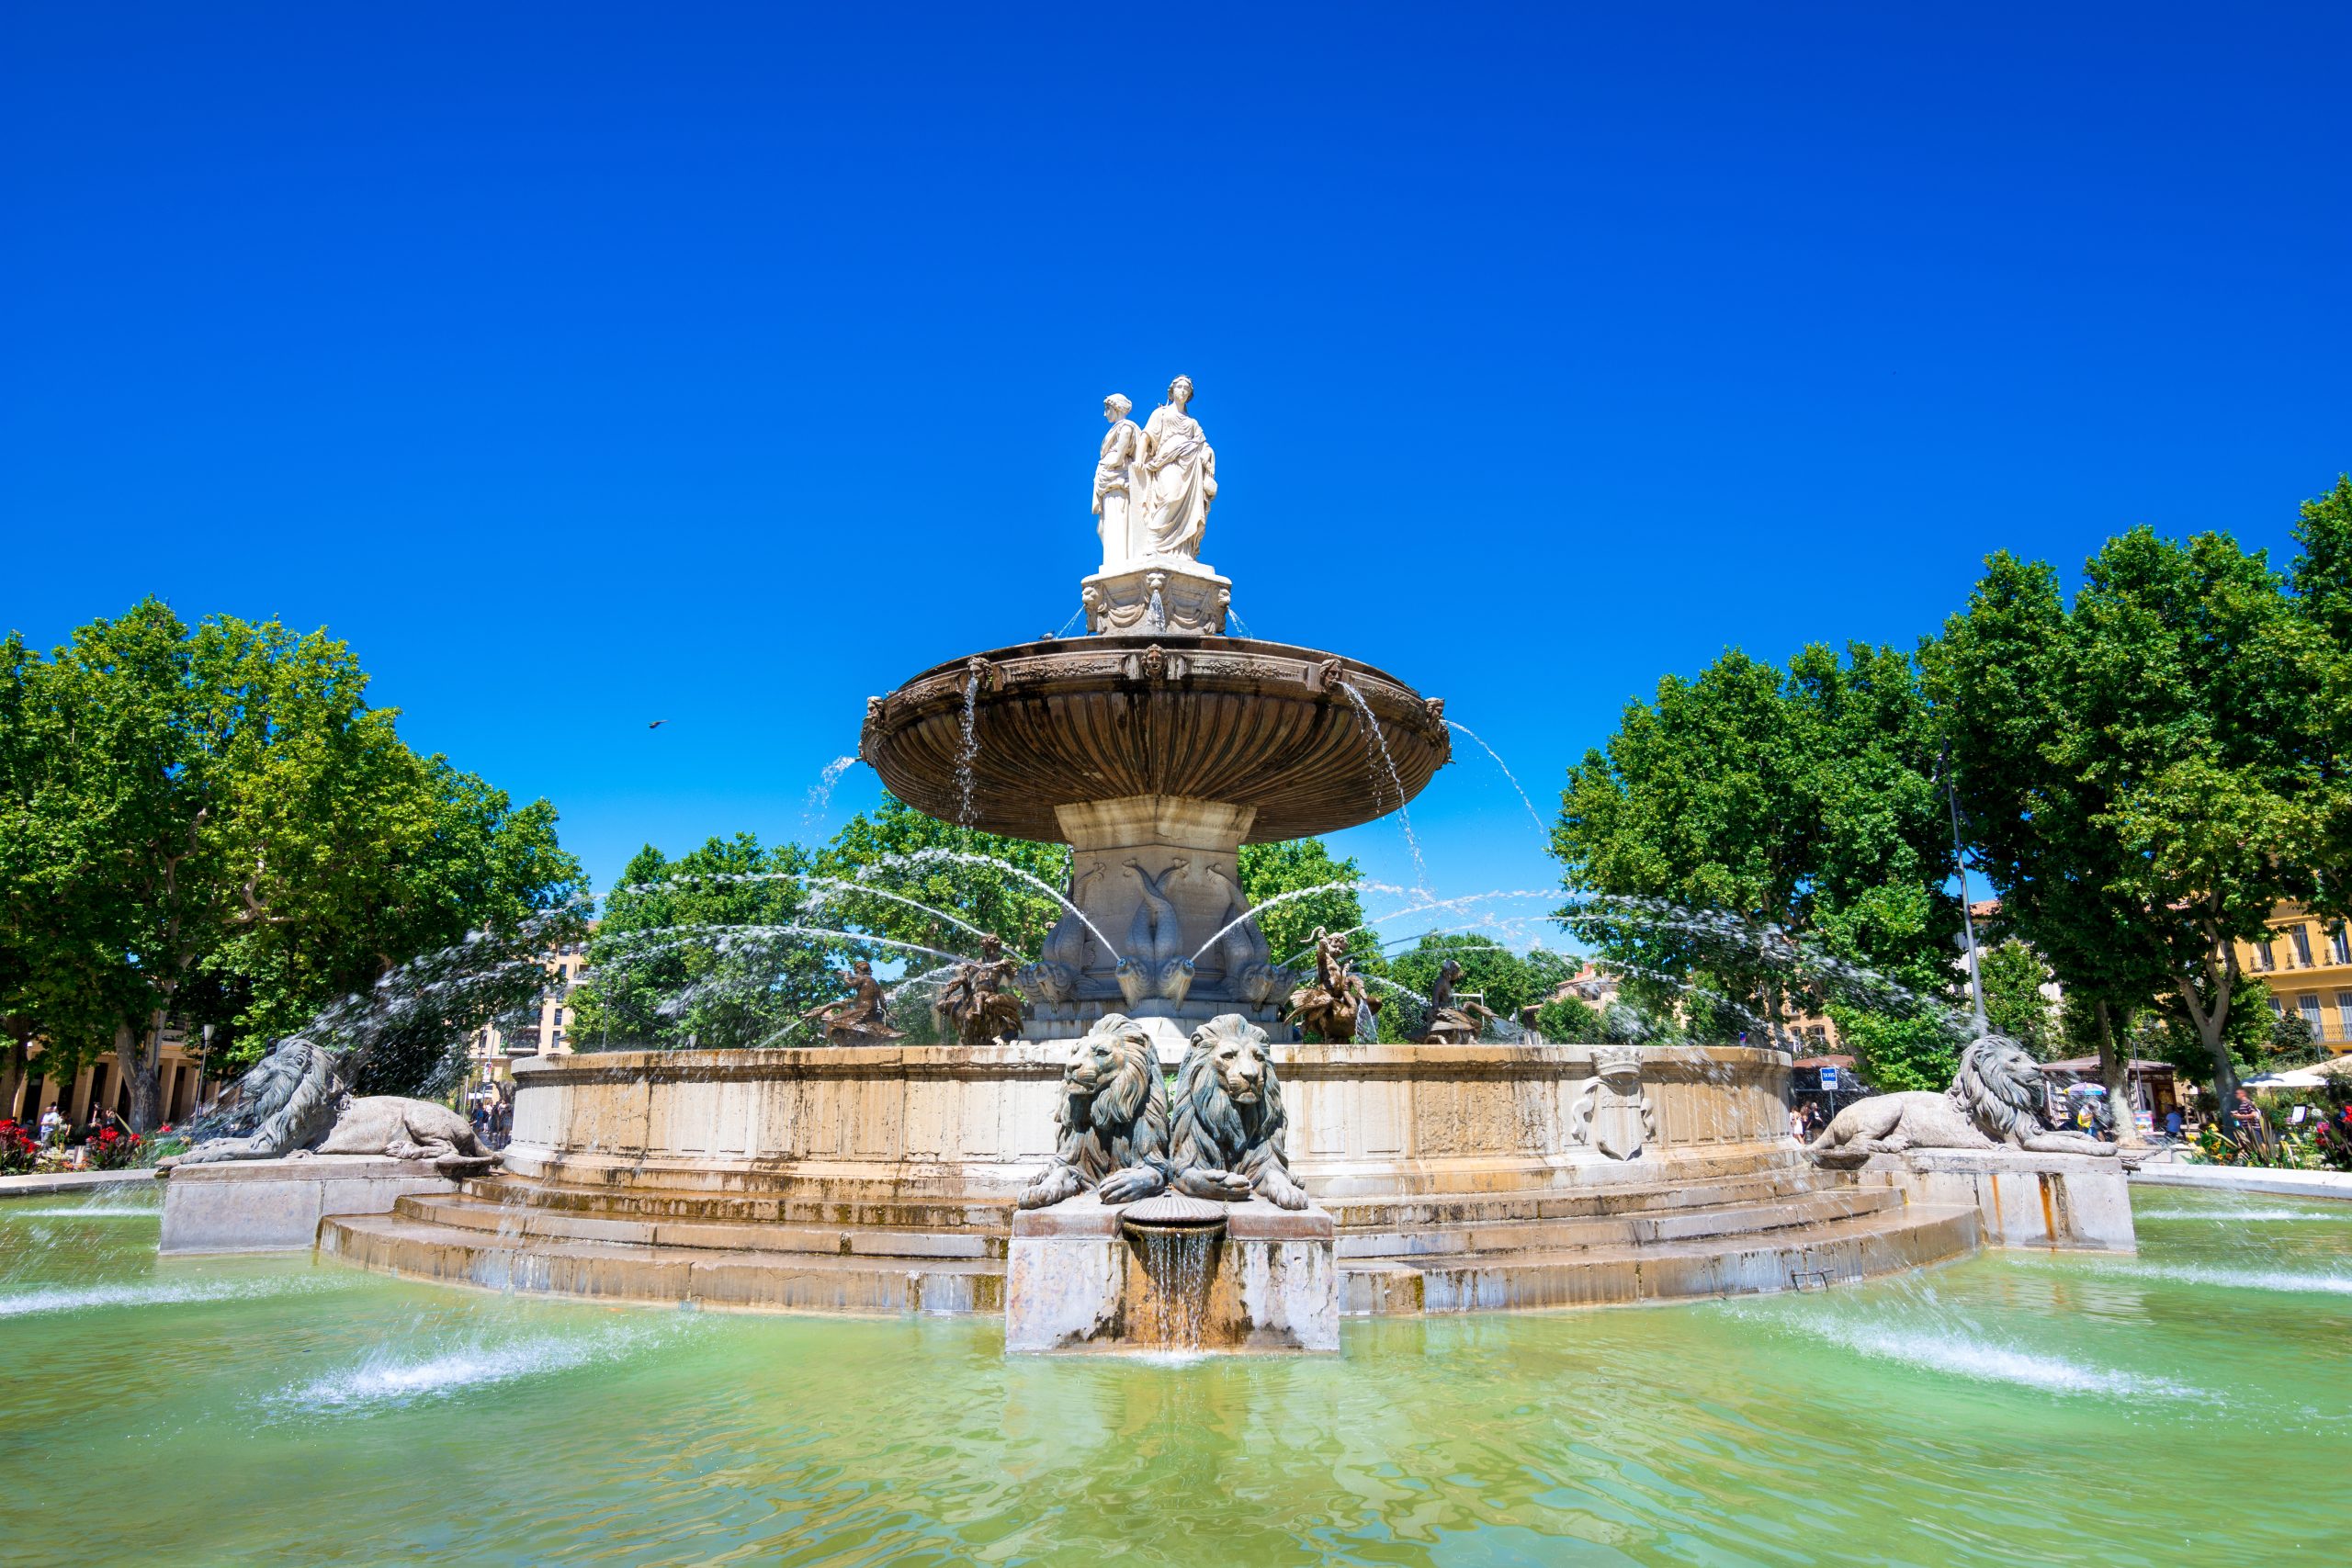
(110, 1148)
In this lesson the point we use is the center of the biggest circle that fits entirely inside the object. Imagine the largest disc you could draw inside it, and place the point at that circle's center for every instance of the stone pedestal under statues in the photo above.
(1158, 875)
(1161, 593)
(275, 1205)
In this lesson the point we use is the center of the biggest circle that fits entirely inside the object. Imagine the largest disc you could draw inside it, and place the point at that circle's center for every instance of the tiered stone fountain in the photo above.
(882, 1178)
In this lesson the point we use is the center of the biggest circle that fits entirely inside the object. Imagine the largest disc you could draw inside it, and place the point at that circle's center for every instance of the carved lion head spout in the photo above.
(1112, 1120)
(1230, 1126)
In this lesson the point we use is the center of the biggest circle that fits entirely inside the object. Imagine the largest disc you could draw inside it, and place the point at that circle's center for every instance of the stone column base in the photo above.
(1074, 1281)
(275, 1205)
(2077, 1201)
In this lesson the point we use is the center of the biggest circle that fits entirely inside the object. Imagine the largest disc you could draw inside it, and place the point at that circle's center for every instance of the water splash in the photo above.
(831, 888)
(1376, 739)
(966, 775)
(820, 795)
(1279, 898)
(972, 857)
(34, 1304)
(1542, 831)
(1962, 1353)
(2241, 1216)
(1174, 1313)
(2285, 1279)
(387, 1378)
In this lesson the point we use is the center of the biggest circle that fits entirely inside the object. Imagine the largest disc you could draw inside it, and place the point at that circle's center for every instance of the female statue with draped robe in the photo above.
(1177, 471)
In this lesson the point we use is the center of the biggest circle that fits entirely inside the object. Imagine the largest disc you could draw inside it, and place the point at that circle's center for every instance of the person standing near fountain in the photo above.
(1179, 473)
(1115, 482)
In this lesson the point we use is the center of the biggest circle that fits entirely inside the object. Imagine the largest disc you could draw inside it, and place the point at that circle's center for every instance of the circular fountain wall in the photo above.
(877, 1124)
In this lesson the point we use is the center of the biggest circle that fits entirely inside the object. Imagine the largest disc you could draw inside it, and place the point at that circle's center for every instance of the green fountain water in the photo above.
(2191, 1405)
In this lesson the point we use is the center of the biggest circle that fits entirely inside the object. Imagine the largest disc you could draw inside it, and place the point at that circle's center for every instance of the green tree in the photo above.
(224, 824)
(2128, 769)
(1291, 866)
(706, 951)
(63, 983)
(1893, 1053)
(1762, 810)
(2014, 1003)
(901, 850)
(2321, 643)
(1505, 979)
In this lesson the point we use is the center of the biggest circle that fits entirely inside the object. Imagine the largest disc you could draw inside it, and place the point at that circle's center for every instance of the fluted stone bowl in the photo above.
(1063, 722)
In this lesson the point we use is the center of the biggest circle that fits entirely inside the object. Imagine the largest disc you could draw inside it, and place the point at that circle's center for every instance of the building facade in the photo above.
(543, 1032)
(98, 1090)
(2307, 964)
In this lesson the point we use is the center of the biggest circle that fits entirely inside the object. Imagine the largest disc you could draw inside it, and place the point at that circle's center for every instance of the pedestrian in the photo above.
(52, 1126)
(1796, 1123)
(2172, 1123)
(2246, 1118)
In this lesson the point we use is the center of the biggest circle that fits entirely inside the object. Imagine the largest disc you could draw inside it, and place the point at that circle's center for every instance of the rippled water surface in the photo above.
(2015, 1408)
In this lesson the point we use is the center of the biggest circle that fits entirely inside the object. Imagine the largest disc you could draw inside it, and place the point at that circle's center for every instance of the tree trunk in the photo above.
(12, 1078)
(2116, 1074)
(2210, 1027)
(126, 1066)
(147, 1077)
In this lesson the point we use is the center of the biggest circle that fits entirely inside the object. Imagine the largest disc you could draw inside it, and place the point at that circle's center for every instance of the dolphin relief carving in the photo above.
(1062, 959)
(1155, 964)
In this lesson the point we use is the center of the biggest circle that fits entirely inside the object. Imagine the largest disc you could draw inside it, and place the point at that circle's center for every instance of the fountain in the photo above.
(1155, 757)
(994, 1173)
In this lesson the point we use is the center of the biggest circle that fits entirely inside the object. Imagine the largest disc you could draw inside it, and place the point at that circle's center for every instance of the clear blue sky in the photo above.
(585, 366)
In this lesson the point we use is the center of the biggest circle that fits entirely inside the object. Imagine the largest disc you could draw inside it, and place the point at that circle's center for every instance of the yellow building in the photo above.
(97, 1090)
(493, 1051)
(2308, 967)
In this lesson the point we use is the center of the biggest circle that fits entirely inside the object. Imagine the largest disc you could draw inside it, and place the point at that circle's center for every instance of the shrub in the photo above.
(110, 1148)
(19, 1149)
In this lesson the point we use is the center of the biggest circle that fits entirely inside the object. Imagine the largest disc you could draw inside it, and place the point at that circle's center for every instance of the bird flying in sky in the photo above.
(657, 724)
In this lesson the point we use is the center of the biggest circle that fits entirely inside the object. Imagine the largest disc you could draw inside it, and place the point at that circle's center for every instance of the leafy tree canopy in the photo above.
(2133, 768)
(1271, 871)
(211, 824)
(1765, 808)
(1506, 980)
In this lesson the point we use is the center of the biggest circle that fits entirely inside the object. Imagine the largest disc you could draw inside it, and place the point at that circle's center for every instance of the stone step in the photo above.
(469, 1212)
(656, 1203)
(1836, 1250)
(1659, 1222)
(1423, 1210)
(732, 1277)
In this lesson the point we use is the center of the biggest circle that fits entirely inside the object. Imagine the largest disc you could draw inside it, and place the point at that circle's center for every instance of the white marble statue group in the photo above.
(1153, 485)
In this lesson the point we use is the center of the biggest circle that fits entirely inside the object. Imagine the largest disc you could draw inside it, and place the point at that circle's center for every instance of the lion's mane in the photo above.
(1107, 1127)
(1212, 1134)
(1999, 1088)
(289, 1099)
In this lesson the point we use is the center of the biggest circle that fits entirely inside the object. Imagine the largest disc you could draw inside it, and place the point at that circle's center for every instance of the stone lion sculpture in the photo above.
(1229, 1122)
(293, 1103)
(1112, 1120)
(1995, 1101)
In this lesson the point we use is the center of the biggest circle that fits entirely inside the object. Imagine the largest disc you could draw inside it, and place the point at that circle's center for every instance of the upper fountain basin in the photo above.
(1060, 723)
